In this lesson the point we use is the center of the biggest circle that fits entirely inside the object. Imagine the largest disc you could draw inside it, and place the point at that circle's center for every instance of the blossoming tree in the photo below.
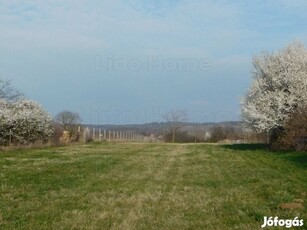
(279, 87)
(24, 121)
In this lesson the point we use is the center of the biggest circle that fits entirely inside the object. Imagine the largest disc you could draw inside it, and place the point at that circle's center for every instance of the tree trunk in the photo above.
(274, 134)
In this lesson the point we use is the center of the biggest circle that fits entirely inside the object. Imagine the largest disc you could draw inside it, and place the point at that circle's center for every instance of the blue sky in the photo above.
(129, 61)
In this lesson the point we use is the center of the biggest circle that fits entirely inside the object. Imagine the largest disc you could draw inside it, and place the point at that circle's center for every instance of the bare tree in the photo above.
(218, 133)
(68, 119)
(8, 92)
(175, 118)
(198, 133)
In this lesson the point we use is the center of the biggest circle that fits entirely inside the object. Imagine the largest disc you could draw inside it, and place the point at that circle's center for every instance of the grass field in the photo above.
(149, 186)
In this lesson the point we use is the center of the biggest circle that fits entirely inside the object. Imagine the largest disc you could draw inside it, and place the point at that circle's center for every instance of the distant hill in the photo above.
(160, 127)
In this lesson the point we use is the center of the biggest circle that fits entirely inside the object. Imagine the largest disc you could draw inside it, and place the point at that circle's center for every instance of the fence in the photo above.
(94, 134)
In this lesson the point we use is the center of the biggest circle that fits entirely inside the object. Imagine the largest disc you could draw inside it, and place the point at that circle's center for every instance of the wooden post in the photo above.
(100, 135)
(10, 138)
(105, 134)
(109, 135)
(84, 135)
(78, 134)
(94, 132)
(87, 134)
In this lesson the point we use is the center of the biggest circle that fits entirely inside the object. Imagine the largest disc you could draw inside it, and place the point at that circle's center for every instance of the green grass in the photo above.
(149, 186)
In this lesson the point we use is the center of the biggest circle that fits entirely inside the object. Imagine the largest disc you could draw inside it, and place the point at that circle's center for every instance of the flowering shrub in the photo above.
(23, 122)
(279, 88)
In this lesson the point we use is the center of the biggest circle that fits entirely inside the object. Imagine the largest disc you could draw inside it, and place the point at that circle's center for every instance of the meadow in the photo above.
(149, 186)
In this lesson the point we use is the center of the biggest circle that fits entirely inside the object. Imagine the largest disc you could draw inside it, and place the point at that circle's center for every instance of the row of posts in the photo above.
(110, 135)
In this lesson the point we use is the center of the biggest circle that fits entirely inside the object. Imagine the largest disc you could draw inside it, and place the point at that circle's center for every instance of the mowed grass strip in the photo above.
(149, 186)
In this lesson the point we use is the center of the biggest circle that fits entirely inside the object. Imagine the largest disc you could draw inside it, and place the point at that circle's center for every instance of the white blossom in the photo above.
(279, 87)
(25, 121)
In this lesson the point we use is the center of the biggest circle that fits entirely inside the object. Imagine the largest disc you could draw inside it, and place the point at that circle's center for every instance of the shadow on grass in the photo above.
(246, 147)
(298, 158)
